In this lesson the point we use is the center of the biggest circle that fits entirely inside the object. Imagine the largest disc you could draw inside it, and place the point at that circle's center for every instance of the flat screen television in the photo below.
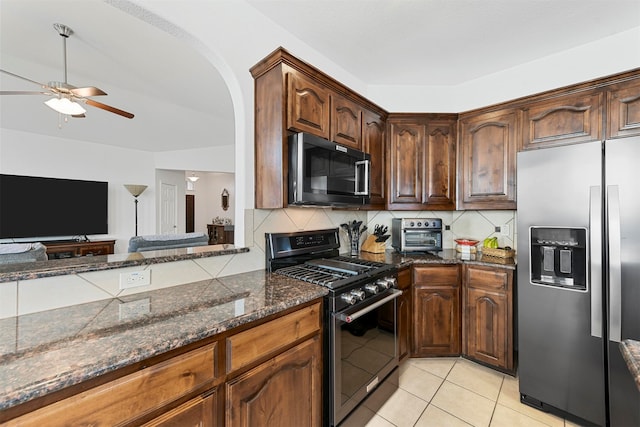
(34, 207)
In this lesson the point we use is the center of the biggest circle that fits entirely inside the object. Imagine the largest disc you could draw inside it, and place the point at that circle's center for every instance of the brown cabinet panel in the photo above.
(308, 106)
(487, 161)
(247, 347)
(440, 182)
(623, 109)
(373, 142)
(487, 333)
(129, 397)
(405, 313)
(486, 339)
(568, 119)
(422, 162)
(285, 391)
(436, 311)
(198, 412)
(346, 122)
(406, 162)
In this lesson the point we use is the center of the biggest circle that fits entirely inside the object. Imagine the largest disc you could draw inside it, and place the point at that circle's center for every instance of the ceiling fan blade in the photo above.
(109, 108)
(78, 116)
(23, 92)
(87, 91)
(25, 79)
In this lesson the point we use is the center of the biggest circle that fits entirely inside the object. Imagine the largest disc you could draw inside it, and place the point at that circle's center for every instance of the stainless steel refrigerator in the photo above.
(579, 278)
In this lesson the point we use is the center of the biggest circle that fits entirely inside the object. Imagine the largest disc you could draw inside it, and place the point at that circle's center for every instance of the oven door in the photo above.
(364, 351)
(421, 240)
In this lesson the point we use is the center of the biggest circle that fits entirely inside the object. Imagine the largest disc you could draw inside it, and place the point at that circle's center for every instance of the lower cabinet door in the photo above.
(487, 328)
(285, 391)
(198, 412)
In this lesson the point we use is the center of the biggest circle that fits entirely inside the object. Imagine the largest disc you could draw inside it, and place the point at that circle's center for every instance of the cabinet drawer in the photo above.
(129, 397)
(436, 275)
(253, 344)
(490, 278)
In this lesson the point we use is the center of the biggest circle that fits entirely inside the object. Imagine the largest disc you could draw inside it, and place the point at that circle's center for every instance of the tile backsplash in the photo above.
(36, 295)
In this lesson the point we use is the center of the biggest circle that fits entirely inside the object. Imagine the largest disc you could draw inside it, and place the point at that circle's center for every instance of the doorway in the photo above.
(190, 219)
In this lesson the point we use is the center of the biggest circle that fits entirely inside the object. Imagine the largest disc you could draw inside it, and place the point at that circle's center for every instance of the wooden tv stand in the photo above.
(58, 250)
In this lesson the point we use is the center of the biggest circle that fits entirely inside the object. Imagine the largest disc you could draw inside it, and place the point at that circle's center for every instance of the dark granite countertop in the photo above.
(60, 267)
(630, 350)
(44, 352)
(448, 256)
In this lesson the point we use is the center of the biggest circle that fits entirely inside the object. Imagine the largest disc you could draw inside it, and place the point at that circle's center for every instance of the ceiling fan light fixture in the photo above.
(65, 106)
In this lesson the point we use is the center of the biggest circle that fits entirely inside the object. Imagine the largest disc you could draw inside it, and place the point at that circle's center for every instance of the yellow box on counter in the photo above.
(499, 252)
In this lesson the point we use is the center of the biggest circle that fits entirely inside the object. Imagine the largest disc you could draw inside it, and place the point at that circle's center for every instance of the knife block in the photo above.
(370, 245)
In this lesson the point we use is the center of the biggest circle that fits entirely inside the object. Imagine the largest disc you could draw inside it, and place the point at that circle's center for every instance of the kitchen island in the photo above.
(44, 355)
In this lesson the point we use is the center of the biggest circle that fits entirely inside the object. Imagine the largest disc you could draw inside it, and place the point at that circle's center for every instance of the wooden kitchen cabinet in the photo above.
(268, 371)
(568, 119)
(488, 333)
(373, 142)
(307, 105)
(284, 391)
(132, 396)
(346, 122)
(436, 310)
(623, 109)
(198, 412)
(293, 96)
(422, 165)
(487, 160)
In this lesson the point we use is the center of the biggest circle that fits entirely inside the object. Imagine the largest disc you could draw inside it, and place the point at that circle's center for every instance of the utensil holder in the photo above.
(355, 246)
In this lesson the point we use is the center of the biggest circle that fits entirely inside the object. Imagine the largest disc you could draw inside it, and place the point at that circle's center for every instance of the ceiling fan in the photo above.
(66, 98)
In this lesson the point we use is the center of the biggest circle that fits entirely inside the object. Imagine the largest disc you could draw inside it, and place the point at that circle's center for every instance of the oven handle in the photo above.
(348, 318)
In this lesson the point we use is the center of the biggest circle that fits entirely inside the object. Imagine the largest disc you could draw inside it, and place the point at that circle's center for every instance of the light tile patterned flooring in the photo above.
(442, 392)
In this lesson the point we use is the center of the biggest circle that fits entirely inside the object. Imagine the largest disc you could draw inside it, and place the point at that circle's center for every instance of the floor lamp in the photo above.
(135, 191)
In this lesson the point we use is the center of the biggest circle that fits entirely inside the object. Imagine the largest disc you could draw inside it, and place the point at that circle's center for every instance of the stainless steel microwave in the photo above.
(322, 172)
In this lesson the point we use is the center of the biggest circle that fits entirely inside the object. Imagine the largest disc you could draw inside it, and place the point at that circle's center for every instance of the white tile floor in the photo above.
(441, 392)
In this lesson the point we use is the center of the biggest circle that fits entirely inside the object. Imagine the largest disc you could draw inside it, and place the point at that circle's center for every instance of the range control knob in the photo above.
(348, 298)
(419, 223)
(392, 281)
(382, 284)
(358, 294)
(372, 288)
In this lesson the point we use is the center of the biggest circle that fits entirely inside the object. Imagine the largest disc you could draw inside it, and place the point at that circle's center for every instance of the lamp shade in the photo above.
(65, 106)
(135, 190)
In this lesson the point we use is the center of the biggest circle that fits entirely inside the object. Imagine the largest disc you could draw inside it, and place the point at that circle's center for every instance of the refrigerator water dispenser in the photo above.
(558, 257)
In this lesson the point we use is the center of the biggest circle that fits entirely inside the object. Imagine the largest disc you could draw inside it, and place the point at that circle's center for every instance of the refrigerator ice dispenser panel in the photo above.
(558, 257)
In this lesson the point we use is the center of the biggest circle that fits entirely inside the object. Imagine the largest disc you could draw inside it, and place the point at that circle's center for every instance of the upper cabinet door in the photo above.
(568, 119)
(308, 106)
(623, 109)
(406, 157)
(346, 122)
(373, 137)
(440, 157)
(487, 160)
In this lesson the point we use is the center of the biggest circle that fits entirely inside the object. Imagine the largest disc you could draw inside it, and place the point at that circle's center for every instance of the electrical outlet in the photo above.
(504, 230)
(135, 278)
(133, 309)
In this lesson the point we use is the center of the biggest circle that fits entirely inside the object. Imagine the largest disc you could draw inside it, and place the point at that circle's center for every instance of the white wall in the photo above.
(23, 153)
(208, 201)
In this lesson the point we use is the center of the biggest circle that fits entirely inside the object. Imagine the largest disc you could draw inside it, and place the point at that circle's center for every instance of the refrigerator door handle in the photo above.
(595, 239)
(615, 264)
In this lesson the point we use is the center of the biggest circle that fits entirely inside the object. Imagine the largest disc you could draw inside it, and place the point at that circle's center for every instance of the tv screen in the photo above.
(33, 207)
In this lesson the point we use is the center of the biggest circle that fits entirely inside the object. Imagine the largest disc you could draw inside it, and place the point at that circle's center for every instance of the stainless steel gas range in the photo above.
(360, 332)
